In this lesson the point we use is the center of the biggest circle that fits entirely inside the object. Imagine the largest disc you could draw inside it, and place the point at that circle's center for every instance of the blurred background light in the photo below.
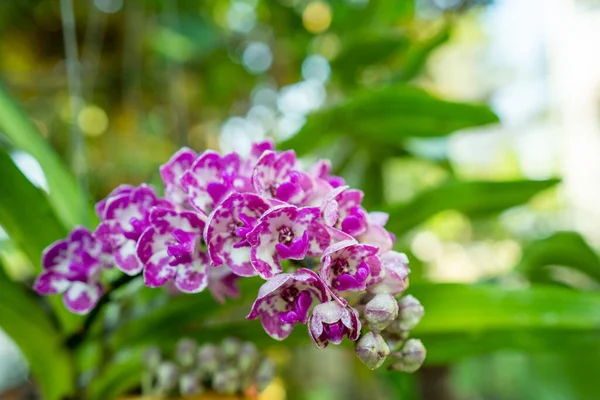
(92, 120)
(316, 68)
(317, 17)
(257, 57)
(241, 16)
(301, 97)
(109, 6)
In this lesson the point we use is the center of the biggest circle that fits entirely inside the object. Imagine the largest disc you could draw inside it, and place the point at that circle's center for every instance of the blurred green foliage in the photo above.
(160, 74)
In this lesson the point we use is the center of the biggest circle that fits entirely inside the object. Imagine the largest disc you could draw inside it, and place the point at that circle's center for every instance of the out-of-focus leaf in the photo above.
(562, 248)
(181, 315)
(29, 326)
(67, 198)
(471, 198)
(365, 49)
(25, 212)
(29, 220)
(447, 348)
(118, 377)
(386, 117)
(419, 53)
(462, 320)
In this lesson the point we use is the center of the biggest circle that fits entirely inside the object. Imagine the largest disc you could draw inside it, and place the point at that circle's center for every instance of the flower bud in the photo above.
(247, 356)
(230, 347)
(264, 374)
(151, 358)
(226, 381)
(411, 312)
(372, 350)
(189, 384)
(410, 358)
(208, 358)
(166, 376)
(380, 311)
(185, 352)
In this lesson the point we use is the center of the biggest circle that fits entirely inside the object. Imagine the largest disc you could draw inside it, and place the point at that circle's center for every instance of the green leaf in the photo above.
(182, 316)
(388, 116)
(366, 48)
(472, 198)
(66, 197)
(562, 248)
(22, 318)
(25, 212)
(462, 320)
(29, 220)
(419, 53)
(118, 377)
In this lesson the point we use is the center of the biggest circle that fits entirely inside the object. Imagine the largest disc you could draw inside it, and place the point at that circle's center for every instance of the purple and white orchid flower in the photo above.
(348, 265)
(72, 267)
(226, 231)
(125, 215)
(229, 216)
(331, 321)
(284, 301)
(171, 173)
(286, 232)
(170, 248)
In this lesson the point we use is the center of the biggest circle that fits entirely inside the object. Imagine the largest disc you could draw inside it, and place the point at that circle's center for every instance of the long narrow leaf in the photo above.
(562, 248)
(471, 198)
(387, 117)
(29, 326)
(66, 197)
(462, 320)
(29, 220)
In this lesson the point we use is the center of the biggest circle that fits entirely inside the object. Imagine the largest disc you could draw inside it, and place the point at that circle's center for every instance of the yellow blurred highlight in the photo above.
(275, 391)
(316, 17)
(92, 120)
(328, 45)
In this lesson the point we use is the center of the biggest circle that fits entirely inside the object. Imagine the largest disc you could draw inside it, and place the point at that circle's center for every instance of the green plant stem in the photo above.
(78, 162)
(78, 337)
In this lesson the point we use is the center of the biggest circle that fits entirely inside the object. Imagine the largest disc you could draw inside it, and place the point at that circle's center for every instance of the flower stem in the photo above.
(74, 340)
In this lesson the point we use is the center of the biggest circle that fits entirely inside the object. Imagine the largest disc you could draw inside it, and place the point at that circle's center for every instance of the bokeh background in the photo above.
(393, 91)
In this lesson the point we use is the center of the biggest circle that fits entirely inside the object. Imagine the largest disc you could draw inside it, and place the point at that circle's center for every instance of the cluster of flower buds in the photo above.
(390, 322)
(226, 216)
(233, 367)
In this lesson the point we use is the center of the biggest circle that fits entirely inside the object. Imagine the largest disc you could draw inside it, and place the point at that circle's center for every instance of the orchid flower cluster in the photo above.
(225, 217)
(230, 367)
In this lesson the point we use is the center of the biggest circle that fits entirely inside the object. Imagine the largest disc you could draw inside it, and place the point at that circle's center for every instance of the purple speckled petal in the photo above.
(275, 176)
(377, 236)
(127, 260)
(396, 272)
(330, 207)
(222, 283)
(259, 148)
(171, 172)
(378, 218)
(193, 277)
(295, 250)
(227, 227)
(284, 300)
(206, 170)
(330, 321)
(80, 298)
(287, 191)
(152, 252)
(170, 244)
(51, 282)
(101, 205)
(350, 266)
(56, 255)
